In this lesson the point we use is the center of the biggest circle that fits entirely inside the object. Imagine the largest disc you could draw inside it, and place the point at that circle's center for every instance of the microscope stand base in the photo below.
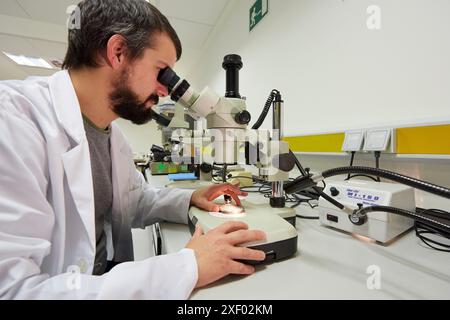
(281, 235)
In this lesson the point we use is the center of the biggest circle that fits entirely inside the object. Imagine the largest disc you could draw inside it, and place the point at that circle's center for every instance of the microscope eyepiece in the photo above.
(180, 90)
(232, 63)
(171, 80)
(168, 78)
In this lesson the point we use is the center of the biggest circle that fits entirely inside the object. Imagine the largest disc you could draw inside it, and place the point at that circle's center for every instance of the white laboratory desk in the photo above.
(330, 265)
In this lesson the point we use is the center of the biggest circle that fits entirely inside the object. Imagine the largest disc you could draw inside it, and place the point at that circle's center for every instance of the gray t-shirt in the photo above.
(99, 147)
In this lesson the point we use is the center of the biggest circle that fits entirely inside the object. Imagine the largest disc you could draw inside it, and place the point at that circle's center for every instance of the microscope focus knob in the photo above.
(243, 117)
(334, 192)
(206, 167)
(356, 219)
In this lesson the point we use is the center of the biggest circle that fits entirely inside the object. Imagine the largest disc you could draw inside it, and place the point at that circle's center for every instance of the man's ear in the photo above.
(115, 51)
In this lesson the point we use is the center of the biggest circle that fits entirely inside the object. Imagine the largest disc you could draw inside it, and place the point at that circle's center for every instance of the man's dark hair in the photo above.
(136, 20)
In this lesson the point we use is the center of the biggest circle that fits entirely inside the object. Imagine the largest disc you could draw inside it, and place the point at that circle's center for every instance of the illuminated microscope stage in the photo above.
(281, 235)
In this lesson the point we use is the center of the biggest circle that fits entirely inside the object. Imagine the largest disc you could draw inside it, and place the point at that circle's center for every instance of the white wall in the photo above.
(333, 72)
(140, 137)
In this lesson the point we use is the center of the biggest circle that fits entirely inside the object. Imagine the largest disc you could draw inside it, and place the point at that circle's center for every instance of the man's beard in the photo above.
(126, 104)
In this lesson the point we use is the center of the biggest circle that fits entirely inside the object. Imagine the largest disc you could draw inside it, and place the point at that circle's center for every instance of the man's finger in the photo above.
(210, 206)
(214, 195)
(235, 189)
(242, 253)
(236, 192)
(231, 188)
(231, 226)
(243, 236)
(240, 268)
(236, 199)
(198, 232)
(218, 193)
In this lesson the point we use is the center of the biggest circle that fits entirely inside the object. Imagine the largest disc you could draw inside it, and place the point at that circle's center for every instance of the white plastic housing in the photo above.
(380, 226)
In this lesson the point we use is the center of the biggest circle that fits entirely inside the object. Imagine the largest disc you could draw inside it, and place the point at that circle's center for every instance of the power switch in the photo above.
(333, 218)
(270, 256)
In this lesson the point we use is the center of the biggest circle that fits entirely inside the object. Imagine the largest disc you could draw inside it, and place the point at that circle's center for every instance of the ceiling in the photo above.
(38, 28)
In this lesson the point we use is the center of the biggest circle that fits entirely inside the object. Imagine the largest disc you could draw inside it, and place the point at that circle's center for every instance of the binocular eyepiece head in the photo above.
(232, 63)
(175, 86)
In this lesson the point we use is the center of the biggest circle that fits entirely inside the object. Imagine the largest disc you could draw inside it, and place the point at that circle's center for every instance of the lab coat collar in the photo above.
(76, 160)
(68, 111)
(65, 103)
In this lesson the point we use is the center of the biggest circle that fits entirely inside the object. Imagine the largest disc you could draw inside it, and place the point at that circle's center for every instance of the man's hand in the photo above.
(217, 250)
(202, 198)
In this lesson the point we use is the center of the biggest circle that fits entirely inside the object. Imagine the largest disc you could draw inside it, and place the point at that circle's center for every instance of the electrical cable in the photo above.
(298, 164)
(317, 189)
(377, 162)
(266, 108)
(426, 221)
(309, 181)
(422, 229)
(377, 165)
(419, 216)
(365, 176)
(300, 201)
(351, 163)
(397, 177)
(329, 199)
(307, 217)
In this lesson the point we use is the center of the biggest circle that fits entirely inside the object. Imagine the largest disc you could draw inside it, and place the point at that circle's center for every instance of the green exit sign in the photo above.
(258, 10)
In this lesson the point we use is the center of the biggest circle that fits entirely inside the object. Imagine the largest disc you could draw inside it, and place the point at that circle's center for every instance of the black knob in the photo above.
(206, 167)
(359, 221)
(283, 161)
(242, 117)
(334, 192)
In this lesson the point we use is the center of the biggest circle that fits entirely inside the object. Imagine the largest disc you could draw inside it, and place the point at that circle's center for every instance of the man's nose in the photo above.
(161, 90)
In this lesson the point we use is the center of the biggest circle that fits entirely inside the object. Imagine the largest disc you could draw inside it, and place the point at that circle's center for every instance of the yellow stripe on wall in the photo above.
(424, 140)
(316, 143)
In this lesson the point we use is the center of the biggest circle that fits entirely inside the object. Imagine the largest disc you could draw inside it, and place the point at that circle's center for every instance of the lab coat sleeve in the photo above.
(180, 276)
(27, 221)
(154, 205)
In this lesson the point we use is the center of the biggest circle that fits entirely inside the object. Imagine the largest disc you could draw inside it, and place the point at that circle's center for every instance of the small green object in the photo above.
(161, 168)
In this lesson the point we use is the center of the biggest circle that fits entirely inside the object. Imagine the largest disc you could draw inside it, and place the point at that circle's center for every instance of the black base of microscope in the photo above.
(274, 251)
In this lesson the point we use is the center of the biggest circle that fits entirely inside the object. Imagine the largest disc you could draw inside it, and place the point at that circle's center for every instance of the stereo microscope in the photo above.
(227, 120)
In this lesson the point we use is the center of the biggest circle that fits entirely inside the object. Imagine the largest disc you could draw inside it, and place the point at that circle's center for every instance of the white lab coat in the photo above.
(47, 221)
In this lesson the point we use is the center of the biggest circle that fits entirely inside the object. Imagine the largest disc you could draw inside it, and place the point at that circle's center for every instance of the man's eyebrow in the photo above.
(163, 63)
